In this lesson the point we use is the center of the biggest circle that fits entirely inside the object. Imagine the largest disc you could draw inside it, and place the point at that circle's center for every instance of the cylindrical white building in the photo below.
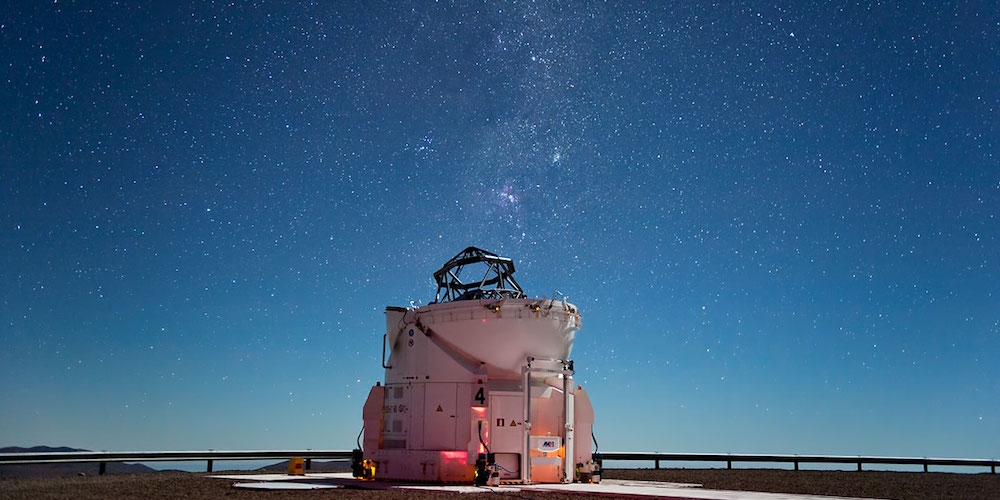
(482, 374)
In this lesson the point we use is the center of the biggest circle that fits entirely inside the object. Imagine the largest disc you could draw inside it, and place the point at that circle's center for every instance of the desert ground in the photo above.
(191, 485)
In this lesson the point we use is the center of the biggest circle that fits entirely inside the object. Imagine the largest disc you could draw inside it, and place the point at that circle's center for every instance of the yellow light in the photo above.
(367, 470)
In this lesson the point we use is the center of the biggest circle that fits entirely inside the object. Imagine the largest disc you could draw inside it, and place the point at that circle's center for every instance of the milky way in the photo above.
(779, 222)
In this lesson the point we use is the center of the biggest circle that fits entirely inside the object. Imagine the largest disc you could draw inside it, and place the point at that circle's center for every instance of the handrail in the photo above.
(209, 456)
(729, 458)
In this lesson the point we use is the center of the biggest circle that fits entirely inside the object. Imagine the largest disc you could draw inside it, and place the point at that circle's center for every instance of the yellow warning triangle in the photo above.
(513, 423)
(439, 408)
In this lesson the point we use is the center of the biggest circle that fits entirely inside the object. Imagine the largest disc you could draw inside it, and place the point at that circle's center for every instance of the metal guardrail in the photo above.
(210, 456)
(729, 458)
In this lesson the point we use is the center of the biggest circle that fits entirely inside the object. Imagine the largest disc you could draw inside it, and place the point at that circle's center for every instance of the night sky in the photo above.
(780, 222)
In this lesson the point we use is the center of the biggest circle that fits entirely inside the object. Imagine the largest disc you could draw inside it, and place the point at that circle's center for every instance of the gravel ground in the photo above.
(864, 484)
(186, 485)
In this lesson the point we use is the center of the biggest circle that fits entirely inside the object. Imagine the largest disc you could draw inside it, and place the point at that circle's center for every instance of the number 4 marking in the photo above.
(481, 396)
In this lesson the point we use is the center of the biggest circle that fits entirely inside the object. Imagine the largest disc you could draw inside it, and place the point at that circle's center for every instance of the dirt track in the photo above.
(867, 484)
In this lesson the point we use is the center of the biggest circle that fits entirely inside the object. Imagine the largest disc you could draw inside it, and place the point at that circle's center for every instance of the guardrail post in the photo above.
(925, 466)
(309, 464)
(729, 464)
(102, 469)
(796, 465)
(859, 465)
(656, 464)
(209, 469)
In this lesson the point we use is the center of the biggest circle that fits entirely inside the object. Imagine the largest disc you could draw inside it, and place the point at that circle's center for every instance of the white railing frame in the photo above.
(210, 456)
(730, 458)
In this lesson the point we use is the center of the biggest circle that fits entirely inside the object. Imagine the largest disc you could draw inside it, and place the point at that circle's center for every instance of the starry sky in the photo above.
(779, 220)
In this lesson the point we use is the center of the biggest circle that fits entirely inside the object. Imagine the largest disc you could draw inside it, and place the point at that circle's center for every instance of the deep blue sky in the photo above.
(779, 221)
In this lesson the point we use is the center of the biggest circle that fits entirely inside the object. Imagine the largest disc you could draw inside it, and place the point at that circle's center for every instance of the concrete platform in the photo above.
(607, 487)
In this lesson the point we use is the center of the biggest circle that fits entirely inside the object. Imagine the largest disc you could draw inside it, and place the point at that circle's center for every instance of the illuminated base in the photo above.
(424, 466)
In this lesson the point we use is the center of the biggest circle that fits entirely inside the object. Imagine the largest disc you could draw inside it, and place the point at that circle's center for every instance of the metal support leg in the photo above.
(526, 428)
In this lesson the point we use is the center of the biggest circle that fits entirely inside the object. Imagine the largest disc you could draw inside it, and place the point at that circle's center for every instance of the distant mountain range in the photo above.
(37, 449)
(70, 469)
